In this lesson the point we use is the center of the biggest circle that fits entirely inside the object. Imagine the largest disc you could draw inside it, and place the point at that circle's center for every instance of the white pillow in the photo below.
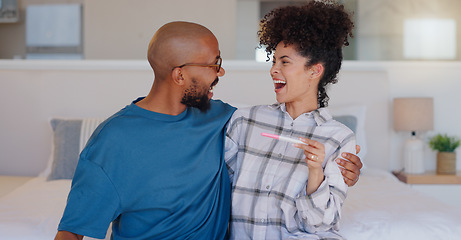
(359, 112)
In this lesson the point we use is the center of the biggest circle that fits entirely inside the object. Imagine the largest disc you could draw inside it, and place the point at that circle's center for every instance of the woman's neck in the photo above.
(295, 109)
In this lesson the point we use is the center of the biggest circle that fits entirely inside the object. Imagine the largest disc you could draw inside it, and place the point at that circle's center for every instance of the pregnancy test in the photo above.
(282, 138)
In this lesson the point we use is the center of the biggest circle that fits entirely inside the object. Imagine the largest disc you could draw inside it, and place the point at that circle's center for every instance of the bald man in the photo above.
(155, 169)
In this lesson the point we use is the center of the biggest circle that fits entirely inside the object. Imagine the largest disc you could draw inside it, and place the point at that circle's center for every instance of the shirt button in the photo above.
(268, 186)
(263, 220)
(280, 155)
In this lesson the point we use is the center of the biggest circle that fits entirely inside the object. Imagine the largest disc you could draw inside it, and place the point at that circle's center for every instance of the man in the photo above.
(155, 169)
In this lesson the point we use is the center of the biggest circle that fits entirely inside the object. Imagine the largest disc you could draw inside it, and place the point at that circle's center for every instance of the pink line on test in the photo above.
(270, 135)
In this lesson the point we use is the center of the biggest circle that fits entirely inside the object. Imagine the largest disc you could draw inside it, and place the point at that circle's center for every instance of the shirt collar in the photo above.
(320, 115)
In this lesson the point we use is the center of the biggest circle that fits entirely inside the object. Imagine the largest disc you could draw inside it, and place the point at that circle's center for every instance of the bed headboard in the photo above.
(33, 92)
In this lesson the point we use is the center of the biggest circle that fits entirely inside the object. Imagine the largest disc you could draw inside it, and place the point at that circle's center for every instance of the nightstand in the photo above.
(446, 188)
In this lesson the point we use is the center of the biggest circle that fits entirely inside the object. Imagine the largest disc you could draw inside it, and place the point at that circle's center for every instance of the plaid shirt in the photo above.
(269, 177)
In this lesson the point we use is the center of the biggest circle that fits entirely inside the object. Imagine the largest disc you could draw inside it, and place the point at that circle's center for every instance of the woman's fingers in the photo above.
(314, 152)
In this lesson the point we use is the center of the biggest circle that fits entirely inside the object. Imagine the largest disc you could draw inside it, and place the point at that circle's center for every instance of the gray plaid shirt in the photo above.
(269, 177)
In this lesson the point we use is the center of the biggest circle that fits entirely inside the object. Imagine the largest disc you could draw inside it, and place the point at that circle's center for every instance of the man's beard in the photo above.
(192, 98)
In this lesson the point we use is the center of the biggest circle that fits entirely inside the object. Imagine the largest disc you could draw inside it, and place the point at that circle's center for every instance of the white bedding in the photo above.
(33, 210)
(381, 207)
(378, 207)
(9, 183)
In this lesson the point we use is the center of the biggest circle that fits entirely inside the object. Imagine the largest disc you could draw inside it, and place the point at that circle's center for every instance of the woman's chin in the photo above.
(279, 99)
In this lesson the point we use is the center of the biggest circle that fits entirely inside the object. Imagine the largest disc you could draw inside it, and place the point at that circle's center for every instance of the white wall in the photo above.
(122, 29)
(247, 25)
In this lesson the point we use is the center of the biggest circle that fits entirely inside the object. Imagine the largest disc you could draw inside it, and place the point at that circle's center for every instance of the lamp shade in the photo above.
(413, 114)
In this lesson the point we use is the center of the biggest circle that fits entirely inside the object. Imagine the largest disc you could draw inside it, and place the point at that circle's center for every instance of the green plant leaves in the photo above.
(444, 143)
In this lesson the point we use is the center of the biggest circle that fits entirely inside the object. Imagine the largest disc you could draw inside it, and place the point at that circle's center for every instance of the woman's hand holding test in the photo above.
(315, 154)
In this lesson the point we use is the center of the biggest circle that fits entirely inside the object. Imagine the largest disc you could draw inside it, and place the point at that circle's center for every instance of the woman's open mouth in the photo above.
(279, 84)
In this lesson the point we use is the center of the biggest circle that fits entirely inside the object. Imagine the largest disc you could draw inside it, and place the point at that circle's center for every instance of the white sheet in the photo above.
(380, 207)
(33, 211)
(9, 183)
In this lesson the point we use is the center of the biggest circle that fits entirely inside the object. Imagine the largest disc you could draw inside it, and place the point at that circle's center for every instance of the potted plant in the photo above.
(446, 157)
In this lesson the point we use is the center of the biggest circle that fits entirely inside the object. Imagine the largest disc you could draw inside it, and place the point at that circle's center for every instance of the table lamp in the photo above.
(413, 114)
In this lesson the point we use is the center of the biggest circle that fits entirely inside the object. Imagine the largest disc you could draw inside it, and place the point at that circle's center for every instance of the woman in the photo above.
(280, 190)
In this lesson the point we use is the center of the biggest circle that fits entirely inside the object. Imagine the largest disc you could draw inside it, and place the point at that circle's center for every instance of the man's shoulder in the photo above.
(220, 109)
(222, 105)
(114, 125)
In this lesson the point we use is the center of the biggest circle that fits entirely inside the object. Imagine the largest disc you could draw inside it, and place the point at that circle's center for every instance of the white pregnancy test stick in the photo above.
(282, 138)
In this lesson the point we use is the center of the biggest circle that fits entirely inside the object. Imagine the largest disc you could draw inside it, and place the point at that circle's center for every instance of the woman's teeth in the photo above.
(279, 84)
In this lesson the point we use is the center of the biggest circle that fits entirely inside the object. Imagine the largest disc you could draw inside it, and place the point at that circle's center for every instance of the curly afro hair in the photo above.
(318, 30)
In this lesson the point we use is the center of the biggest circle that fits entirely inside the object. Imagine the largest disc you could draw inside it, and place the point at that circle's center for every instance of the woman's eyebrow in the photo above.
(284, 56)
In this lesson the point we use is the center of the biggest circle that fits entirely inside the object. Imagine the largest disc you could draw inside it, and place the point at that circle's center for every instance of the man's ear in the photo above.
(177, 76)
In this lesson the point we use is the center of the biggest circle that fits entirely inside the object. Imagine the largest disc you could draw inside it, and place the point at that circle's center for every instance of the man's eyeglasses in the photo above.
(217, 66)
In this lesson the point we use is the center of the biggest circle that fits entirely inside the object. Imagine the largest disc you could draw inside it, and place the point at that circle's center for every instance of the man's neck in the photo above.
(161, 105)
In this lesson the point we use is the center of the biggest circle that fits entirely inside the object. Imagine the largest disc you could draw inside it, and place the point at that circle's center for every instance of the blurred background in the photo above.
(386, 30)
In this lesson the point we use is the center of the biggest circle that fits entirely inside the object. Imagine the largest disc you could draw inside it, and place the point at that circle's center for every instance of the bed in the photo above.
(378, 207)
